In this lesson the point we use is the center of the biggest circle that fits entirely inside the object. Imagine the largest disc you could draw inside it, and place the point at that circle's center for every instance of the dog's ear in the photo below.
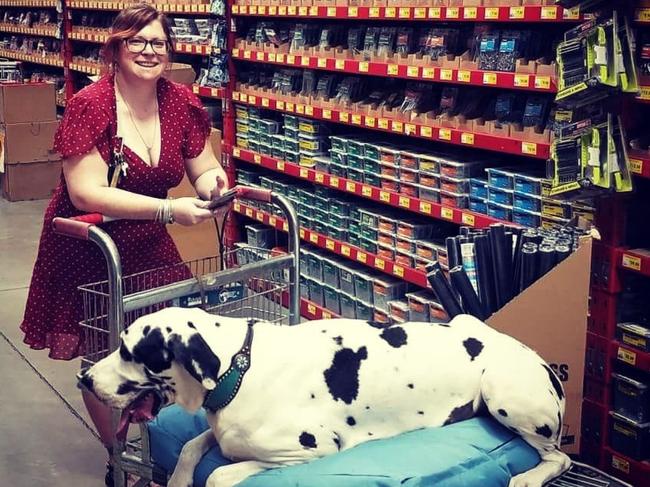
(197, 357)
(151, 351)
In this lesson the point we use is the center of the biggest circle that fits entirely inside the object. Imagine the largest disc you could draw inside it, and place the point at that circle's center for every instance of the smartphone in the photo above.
(223, 200)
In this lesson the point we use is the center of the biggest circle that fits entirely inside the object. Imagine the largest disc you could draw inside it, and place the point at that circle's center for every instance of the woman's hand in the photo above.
(190, 211)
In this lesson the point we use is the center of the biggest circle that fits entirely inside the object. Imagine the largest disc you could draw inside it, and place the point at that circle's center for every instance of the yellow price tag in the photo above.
(273, 10)
(631, 262)
(542, 82)
(425, 207)
(304, 173)
(529, 148)
(326, 315)
(252, 99)
(412, 71)
(420, 13)
(327, 114)
(522, 80)
(370, 121)
(491, 13)
(237, 207)
(636, 166)
(470, 13)
(625, 355)
(280, 57)
(428, 73)
(331, 11)
(290, 106)
(313, 238)
(280, 165)
(265, 102)
(313, 11)
(447, 213)
(404, 12)
(247, 54)
(236, 152)
(363, 66)
(373, 12)
(380, 264)
(434, 12)
(257, 159)
(279, 104)
(404, 202)
(409, 129)
(446, 74)
(444, 134)
(235, 9)
(382, 123)
(322, 62)
(249, 212)
(356, 119)
(292, 9)
(304, 61)
(390, 12)
(309, 110)
(426, 131)
(453, 12)
(300, 108)
(319, 177)
(285, 226)
(466, 138)
(291, 59)
(620, 464)
(489, 78)
(516, 13)
(311, 309)
(345, 250)
(366, 191)
(397, 126)
(392, 69)
(549, 13)
(384, 196)
(253, 9)
(301, 233)
(344, 117)
(353, 12)
(464, 76)
(329, 244)
(398, 271)
(334, 181)
(272, 57)
(468, 219)
(259, 56)
(339, 64)
(350, 186)
(302, 11)
(362, 257)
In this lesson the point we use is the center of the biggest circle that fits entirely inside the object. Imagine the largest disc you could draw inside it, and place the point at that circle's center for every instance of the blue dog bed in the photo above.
(478, 452)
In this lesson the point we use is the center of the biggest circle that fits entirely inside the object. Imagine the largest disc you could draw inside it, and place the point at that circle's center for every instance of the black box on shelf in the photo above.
(631, 398)
(629, 437)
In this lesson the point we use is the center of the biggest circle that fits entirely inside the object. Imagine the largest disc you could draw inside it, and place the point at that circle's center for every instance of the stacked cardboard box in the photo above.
(27, 126)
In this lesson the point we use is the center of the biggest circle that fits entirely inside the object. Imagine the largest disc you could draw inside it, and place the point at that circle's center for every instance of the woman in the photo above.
(153, 131)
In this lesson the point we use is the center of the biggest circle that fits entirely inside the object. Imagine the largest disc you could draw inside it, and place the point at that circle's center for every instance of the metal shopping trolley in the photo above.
(243, 282)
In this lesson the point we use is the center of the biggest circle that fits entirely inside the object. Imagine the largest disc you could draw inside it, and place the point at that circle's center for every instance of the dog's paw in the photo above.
(525, 480)
(180, 479)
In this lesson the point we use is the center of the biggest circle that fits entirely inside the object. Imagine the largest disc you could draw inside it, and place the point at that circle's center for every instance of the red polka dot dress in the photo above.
(54, 305)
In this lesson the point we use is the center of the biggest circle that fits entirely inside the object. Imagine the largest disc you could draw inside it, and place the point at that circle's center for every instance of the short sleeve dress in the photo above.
(54, 304)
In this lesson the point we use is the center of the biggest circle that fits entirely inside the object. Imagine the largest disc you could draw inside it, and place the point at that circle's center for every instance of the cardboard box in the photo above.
(551, 318)
(29, 142)
(180, 73)
(27, 102)
(34, 181)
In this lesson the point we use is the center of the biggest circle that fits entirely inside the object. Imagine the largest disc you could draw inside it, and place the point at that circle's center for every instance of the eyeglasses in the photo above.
(136, 45)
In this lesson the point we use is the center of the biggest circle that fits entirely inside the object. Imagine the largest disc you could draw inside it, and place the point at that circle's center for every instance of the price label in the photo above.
(491, 13)
(412, 71)
(404, 202)
(273, 10)
(382, 123)
(311, 309)
(392, 69)
(356, 119)
(447, 213)
(529, 148)
(420, 13)
(265, 102)
(253, 9)
(446, 74)
(549, 13)
(345, 250)
(362, 257)
(326, 315)
(252, 100)
(631, 262)
(522, 80)
(409, 129)
(370, 121)
(304, 61)
(334, 181)
(398, 271)
(384, 196)
(363, 66)
(489, 78)
(468, 219)
(309, 110)
(279, 105)
(320, 177)
(331, 11)
(434, 12)
(542, 82)
(516, 13)
(373, 12)
(257, 159)
(247, 54)
(466, 138)
(339, 64)
(620, 464)
(397, 126)
(290, 106)
(291, 59)
(327, 114)
(302, 11)
(353, 12)
(444, 134)
(470, 13)
(304, 173)
(404, 12)
(625, 355)
(301, 233)
(259, 216)
(249, 212)
(329, 244)
(285, 226)
(390, 12)
(272, 221)
(350, 186)
(280, 165)
(313, 238)
(380, 264)
(292, 10)
(428, 73)
(236, 152)
(366, 191)
(259, 56)
(237, 207)
(425, 207)
(344, 117)
(572, 13)
(453, 12)
(272, 57)
(235, 9)
(313, 11)
(280, 58)
(235, 95)
(300, 108)
(426, 131)
(322, 62)
(636, 166)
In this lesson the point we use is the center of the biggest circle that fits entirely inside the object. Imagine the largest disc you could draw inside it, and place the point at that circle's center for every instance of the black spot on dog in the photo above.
(307, 440)
(376, 324)
(127, 387)
(342, 377)
(196, 356)
(323, 331)
(151, 352)
(86, 381)
(367, 407)
(557, 385)
(444, 325)
(461, 413)
(369, 433)
(313, 397)
(410, 386)
(351, 421)
(395, 336)
(503, 413)
(559, 424)
(169, 329)
(473, 347)
(146, 330)
(338, 340)
(191, 325)
(545, 431)
(337, 442)
(420, 412)
(126, 332)
(217, 324)
(124, 353)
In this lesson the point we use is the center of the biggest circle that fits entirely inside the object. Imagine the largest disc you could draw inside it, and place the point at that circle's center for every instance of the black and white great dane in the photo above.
(320, 387)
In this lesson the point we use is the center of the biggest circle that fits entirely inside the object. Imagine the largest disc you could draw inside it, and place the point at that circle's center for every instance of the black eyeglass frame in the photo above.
(148, 43)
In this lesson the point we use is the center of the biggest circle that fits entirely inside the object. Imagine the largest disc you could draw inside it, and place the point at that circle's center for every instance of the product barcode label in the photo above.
(625, 355)
(631, 262)
(636, 166)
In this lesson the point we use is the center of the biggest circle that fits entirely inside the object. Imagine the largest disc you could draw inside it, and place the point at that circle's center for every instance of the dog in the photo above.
(349, 381)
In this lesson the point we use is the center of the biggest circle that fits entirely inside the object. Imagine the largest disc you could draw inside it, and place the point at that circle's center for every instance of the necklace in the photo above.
(135, 125)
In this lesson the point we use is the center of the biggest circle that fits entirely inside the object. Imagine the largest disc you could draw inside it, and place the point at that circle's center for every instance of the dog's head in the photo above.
(159, 361)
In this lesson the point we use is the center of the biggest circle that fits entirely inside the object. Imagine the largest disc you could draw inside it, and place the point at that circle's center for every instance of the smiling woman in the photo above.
(125, 141)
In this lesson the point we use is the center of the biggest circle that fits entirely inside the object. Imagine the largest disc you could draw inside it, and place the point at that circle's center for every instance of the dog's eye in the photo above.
(125, 354)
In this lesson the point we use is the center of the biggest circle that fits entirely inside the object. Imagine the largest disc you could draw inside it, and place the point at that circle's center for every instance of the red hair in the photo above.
(128, 23)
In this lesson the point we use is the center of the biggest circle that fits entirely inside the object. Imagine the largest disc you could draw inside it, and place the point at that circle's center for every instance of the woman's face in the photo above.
(145, 55)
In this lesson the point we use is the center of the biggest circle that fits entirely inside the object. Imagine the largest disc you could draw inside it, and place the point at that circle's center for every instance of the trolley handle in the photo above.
(257, 194)
(78, 226)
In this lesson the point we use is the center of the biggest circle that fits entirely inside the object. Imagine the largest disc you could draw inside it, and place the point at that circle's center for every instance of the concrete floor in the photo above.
(45, 438)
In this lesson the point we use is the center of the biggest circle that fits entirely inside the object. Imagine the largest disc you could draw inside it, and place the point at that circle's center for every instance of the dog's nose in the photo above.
(84, 381)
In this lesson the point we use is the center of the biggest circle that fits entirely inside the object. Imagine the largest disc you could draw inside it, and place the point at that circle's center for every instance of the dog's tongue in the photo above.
(140, 411)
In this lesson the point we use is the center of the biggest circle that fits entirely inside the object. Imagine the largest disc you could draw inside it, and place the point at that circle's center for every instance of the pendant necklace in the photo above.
(155, 126)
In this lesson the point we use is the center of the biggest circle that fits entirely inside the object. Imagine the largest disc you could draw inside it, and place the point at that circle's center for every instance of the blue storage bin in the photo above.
(500, 178)
(528, 184)
(501, 212)
(478, 188)
(526, 218)
(478, 205)
(527, 202)
(500, 196)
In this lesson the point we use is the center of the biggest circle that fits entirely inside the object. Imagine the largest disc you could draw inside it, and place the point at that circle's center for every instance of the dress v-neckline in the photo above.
(133, 153)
